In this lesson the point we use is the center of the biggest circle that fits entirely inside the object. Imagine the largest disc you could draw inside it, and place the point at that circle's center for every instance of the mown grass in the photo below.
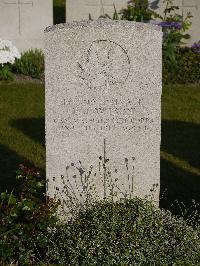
(22, 137)
(59, 11)
(21, 129)
(180, 149)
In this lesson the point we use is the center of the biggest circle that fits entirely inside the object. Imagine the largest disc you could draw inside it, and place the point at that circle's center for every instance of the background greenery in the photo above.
(187, 70)
(30, 64)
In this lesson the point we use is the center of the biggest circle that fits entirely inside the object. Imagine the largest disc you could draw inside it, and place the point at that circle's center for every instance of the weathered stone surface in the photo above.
(23, 22)
(81, 9)
(103, 95)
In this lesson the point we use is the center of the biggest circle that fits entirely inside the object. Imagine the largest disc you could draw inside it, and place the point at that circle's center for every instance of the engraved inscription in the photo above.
(108, 115)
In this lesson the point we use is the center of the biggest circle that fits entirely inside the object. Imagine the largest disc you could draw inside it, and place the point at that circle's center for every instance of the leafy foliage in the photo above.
(127, 232)
(30, 64)
(174, 28)
(187, 69)
(137, 10)
(5, 73)
(174, 25)
(24, 219)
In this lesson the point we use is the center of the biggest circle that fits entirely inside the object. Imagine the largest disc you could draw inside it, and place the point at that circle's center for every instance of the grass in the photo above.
(59, 11)
(180, 149)
(22, 137)
(21, 129)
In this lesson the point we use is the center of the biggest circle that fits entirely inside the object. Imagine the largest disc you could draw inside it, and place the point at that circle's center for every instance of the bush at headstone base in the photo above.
(8, 54)
(127, 232)
(30, 64)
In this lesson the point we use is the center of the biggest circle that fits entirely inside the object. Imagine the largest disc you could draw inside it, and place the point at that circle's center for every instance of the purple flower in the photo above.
(196, 47)
(170, 24)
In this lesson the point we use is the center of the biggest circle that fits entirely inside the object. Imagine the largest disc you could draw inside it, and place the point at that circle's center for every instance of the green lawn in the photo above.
(59, 11)
(21, 129)
(22, 137)
(180, 149)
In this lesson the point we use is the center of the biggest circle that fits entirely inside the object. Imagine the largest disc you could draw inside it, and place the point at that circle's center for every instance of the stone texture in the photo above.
(80, 9)
(103, 95)
(23, 22)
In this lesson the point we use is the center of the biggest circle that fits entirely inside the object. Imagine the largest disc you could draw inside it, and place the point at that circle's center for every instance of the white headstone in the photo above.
(23, 22)
(103, 95)
(82, 9)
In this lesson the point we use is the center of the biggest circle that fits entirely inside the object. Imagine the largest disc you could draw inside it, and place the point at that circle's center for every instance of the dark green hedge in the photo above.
(187, 70)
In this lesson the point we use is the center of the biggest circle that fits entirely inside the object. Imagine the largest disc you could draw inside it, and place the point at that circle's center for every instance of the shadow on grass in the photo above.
(178, 138)
(178, 185)
(34, 128)
(182, 139)
(9, 163)
(58, 14)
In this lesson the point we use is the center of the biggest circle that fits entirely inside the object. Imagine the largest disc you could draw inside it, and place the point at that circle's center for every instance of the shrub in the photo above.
(187, 69)
(24, 220)
(107, 232)
(137, 10)
(5, 73)
(30, 64)
(127, 232)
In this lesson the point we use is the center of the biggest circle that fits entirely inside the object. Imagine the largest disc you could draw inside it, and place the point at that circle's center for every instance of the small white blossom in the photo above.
(8, 52)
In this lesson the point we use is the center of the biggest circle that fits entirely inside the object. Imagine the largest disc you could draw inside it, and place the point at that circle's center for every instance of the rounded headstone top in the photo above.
(102, 22)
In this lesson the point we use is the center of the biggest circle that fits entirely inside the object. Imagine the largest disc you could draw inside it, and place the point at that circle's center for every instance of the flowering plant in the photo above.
(170, 25)
(196, 47)
(174, 27)
(8, 54)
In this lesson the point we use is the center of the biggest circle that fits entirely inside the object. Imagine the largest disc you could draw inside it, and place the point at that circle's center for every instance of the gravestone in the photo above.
(23, 22)
(192, 6)
(103, 95)
(81, 9)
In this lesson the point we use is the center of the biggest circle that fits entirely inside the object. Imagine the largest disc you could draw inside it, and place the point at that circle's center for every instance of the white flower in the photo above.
(8, 52)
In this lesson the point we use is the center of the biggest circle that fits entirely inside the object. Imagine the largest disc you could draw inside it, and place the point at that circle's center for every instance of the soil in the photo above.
(19, 78)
